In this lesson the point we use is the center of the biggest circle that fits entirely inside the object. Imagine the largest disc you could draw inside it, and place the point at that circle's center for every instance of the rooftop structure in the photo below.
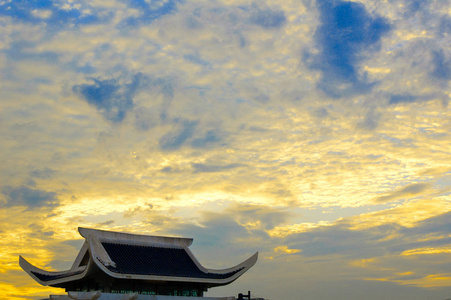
(111, 265)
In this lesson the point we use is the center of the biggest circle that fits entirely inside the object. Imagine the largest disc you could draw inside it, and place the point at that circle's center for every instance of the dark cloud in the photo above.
(222, 232)
(407, 191)
(437, 228)
(371, 242)
(371, 120)
(193, 21)
(30, 183)
(111, 97)
(25, 51)
(152, 216)
(106, 223)
(40, 230)
(85, 69)
(30, 197)
(268, 217)
(347, 31)
(45, 173)
(345, 240)
(177, 138)
(440, 225)
(215, 229)
(132, 212)
(166, 88)
(444, 28)
(204, 168)
(240, 226)
(167, 170)
(338, 239)
(262, 98)
(402, 98)
(267, 17)
(442, 65)
(405, 246)
(145, 119)
(165, 85)
(196, 59)
(241, 40)
(402, 143)
(210, 138)
(321, 113)
(257, 129)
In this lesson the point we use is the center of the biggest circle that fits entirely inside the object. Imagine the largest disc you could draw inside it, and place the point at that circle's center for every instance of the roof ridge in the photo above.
(102, 234)
(140, 243)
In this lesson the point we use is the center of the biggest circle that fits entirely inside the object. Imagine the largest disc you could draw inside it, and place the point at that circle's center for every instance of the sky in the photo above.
(315, 132)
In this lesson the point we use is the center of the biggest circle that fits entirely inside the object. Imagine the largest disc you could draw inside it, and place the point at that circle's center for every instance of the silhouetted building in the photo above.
(114, 265)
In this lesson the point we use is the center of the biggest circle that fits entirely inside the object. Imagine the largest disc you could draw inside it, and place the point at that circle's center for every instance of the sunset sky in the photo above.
(315, 132)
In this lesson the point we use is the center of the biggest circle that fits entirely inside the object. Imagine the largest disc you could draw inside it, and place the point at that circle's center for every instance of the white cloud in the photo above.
(42, 13)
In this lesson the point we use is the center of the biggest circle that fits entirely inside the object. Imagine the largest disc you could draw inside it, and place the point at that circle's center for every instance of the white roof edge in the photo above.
(120, 236)
(247, 264)
(194, 259)
(98, 251)
(29, 268)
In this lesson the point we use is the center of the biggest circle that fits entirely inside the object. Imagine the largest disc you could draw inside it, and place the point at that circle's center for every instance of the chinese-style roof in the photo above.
(138, 257)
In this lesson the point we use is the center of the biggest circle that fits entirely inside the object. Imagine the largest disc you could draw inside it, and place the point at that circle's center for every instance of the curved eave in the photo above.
(66, 277)
(244, 266)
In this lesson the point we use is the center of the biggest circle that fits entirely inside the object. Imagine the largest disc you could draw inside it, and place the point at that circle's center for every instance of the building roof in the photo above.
(138, 257)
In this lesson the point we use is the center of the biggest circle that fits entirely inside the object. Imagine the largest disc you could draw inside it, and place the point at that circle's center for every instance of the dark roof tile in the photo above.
(46, 277)
(156, 261)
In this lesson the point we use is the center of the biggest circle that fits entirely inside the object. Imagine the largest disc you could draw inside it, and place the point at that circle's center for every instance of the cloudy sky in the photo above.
(315, 132)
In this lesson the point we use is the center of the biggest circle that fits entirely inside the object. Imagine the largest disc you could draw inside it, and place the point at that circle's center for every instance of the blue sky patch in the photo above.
(442, 66)
(346, 32)
(112, 98)
(45, 11)
(194, 58)
(150, 10)
(30, 197)
(176, 139)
